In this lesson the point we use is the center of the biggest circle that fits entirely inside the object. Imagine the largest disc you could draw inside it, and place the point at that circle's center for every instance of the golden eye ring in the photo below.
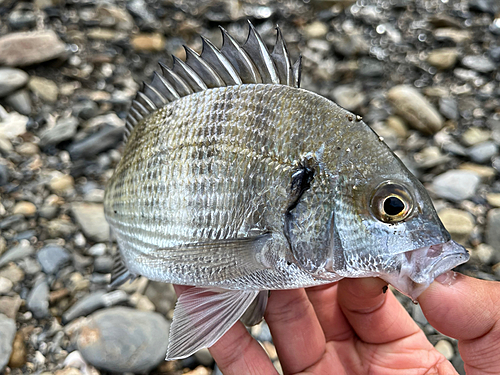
(391, 203)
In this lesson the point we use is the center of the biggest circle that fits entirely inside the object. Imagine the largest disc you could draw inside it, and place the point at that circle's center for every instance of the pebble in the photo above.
(24, 208)
(63, 130)
(113, 334)
(459, 223)
(38, 299)
(12, 124)
(37, 47)
(18, 356)
(415, 109)
(9, 306)
(487, 174)
(20, 251)
(90, 218)
(479, 63)
(456, 185)
(20, 101)
(104, 139)
(443, 58)
(485, 253)
(448, 107)
(473, 135)
(148, 42)
(28, 149)
(483, 152)
(99, 249)
(12, 272)
(7, 334)
(349, 97)
(455, 35)
(5, 285)
(493, 199)
(445, 348)
(316, 30)
(11, 79)
(93, 302)
(52, 258)
(22, 19)
(61, 183)
(44, 88)
(493, 231)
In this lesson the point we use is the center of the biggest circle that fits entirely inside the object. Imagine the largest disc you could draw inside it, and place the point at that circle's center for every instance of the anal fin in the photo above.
(202, 316)
(120, 273)
(255, 312)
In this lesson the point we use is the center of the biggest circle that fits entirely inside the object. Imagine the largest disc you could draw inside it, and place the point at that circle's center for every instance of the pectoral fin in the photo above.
(255, 312)
(202, 316)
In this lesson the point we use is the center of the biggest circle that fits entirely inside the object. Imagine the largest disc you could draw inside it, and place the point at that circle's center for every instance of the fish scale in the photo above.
(235, 181)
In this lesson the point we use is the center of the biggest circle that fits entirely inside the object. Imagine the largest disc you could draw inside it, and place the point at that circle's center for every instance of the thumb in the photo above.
(469, 310)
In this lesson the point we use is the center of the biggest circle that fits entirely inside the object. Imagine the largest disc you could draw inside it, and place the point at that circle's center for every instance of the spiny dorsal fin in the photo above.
(230, 65)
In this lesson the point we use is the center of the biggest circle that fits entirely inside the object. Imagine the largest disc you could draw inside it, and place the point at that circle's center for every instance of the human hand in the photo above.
(352, 327)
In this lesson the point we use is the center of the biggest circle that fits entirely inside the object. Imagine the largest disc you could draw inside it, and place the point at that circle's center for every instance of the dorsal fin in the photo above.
(230, 65)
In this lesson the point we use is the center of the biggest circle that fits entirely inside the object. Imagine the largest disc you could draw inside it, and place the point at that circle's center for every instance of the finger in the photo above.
(296, 331)
(468, 310)
(377, 318)
(238, 353)
(330, 316)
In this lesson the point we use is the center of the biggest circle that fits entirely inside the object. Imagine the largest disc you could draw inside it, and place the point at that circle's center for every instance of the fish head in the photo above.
(375, 221)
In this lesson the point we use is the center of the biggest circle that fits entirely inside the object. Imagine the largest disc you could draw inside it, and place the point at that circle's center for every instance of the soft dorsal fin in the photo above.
(230, 65)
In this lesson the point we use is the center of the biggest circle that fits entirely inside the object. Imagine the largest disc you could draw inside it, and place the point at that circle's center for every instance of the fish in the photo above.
(236, 181)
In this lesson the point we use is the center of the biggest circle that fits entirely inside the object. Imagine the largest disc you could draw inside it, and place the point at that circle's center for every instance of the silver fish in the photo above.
(236, 181)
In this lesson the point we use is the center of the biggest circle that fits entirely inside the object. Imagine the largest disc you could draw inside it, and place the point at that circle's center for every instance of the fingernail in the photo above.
(447, 278)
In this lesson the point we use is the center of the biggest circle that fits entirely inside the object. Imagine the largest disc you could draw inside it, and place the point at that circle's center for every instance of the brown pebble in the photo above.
(56, 295)
(18, 356)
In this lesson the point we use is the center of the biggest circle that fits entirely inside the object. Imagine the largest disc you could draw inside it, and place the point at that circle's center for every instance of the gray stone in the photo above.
(483, 152)
(122, 339)
(28, 48)
(162, 295)
(38, 299)
(63, 130)
(418, 315)
(85, 109)
(52, 258)
(20, 101)
(486, 6)
(480, 64)
(493, 232)
(11, 79)
(449, 108)
(20, 251)
(456, 185)
(104, 139)
(7, 334)
(4, 174)
(90, 217)
(93, 302)
(415, 109)
(104, 264)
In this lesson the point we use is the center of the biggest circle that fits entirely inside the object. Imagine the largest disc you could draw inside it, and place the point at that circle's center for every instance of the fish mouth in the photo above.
(420, 267)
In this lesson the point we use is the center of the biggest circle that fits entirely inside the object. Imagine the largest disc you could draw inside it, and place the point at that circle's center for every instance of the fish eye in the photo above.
(391, 203)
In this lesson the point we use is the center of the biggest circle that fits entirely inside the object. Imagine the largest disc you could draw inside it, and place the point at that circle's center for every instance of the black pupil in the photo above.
(393, 206)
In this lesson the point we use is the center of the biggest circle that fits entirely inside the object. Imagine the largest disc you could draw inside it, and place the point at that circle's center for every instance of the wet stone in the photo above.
(7, 334)
(11, 79)
(483, 152)
(104, 139)
(24, 208)
(456, 185)
(20, 101)
(91, 219)
(20, 251)
(449, 108)
(93, 302)
(480, 64)
(52, 258)
(117, 333)
(38, 299)
(44, 88)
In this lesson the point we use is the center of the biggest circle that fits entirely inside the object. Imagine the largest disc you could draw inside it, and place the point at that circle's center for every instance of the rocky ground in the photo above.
(424, 74)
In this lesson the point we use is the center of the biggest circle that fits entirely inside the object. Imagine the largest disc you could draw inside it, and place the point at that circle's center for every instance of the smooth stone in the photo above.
(48, 212)
(485, 253)
(349, 97)
(162, 295)
(60, 184)
(154, 42)
(28, 48)
(316, 30)
(93, 302)
(20, 101)
(44, 88)
(12, 124)
(24, 208)
(411, 105)
(5, 285)
(52, 258)
(18, 356)
(459, 223)
(11, 79)
(20, 251)
(4, 174)
(106, 138)
(85, 109)
(456, 35)
(483, 152)
(62, 131)
(27, 149)
(104, 264)
(485, 6)
(12, 272)
(141, 302)
(493, 232)
(456, 185)
(38, 299)
(487, 174)
(493, 199)
(443, 58)
(445, 348)
(9, 306)
(448, 107)
(103, 120)
(22, 19)
(90, 217)
(11, 220)
(472, 136)
(112, 15)
(480, 64)
(97, 250)
(7, 334)
(204, 357)
(117, 333)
